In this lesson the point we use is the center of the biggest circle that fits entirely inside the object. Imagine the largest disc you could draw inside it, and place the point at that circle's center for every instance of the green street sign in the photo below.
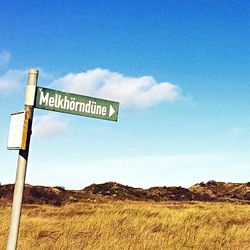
(70, 103)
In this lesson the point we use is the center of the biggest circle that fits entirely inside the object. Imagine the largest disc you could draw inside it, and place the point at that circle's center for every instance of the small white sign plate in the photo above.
(16, 130)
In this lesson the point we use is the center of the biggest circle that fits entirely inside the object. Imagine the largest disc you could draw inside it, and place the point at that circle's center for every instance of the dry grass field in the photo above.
(131, 225)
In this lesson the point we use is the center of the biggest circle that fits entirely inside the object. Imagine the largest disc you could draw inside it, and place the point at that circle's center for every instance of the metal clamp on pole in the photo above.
(22, 160)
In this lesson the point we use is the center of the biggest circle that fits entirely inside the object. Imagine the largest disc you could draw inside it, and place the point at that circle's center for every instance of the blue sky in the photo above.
(180, 70)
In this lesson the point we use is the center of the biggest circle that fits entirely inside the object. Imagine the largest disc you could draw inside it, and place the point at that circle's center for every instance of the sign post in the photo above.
(55, 100)
(48, 99)
(22, 160)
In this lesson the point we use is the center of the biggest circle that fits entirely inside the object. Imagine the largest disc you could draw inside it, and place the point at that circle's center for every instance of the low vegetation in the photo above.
(210, 191)
(131, 225)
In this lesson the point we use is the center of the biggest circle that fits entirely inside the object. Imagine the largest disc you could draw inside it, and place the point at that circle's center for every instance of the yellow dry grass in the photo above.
(131, 225)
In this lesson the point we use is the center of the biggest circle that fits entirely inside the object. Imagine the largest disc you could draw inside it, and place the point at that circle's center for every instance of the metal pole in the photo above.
(22, 161)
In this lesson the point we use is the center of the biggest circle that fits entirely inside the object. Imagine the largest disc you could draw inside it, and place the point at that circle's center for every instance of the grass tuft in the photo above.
(131, 225)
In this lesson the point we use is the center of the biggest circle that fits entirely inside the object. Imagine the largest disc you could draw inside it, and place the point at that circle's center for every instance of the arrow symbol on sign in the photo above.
(111, 110)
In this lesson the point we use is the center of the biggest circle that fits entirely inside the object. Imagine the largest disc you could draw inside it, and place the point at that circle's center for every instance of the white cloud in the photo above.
(141, 91)
(11, 79)
(48, 125)
(4, 58)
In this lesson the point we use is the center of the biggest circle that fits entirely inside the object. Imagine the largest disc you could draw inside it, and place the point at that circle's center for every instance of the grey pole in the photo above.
(22, 161)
